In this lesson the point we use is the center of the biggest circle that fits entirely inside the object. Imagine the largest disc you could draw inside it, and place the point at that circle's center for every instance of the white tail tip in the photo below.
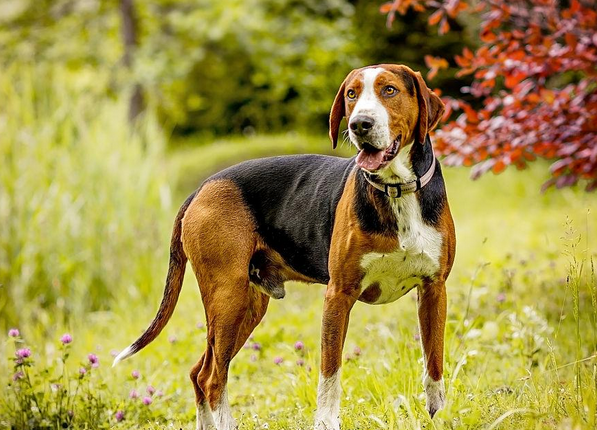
(124, 354)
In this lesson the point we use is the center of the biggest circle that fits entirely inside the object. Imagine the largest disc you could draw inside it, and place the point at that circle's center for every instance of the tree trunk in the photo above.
(130, 39)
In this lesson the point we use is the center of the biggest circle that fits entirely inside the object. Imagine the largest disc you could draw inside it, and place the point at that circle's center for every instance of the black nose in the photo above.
(361, 124)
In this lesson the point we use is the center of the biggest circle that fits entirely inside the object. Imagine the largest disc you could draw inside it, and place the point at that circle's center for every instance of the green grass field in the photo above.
(521, 338)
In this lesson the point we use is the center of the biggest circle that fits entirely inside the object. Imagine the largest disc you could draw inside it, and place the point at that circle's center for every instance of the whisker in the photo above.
(345, 138)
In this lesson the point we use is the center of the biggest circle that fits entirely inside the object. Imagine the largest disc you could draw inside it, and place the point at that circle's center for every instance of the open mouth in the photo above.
(372, 159)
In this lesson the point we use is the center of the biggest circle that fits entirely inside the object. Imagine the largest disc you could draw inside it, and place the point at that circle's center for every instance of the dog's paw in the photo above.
(436, 397)
(326, 424)
(205, 419)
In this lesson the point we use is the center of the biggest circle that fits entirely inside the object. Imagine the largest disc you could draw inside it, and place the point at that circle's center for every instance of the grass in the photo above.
(520, 342)
(79, 194)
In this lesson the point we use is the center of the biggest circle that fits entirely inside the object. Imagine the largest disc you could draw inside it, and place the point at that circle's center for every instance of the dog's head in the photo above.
(387, 107)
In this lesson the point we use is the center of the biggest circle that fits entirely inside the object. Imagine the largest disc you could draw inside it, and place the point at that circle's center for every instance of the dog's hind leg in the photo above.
(205, 419)
(219, 239)
(227, 332)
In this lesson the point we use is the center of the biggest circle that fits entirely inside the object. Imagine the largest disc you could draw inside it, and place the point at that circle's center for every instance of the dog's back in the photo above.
(293, 201)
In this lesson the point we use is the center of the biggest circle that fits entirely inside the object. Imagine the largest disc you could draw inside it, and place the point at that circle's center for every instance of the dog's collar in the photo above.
(398, 190)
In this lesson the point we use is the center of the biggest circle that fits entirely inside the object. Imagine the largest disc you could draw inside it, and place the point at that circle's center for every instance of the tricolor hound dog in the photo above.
(371, 227)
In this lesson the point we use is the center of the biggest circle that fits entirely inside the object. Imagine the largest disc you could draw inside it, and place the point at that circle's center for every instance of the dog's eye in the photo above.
(351, 94)
(390, 90)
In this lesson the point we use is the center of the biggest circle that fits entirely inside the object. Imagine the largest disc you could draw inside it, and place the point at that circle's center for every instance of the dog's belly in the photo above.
(390, 276)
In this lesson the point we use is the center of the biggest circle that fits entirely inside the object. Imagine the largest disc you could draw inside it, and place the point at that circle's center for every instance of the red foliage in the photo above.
(535, 73)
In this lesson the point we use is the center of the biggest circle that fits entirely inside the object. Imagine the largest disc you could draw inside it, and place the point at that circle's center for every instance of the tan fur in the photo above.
(218, 237)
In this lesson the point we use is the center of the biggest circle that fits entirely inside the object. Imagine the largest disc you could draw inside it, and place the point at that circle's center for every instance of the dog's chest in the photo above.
(389, 276)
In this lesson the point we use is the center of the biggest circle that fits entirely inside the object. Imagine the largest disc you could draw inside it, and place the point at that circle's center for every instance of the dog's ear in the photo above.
(338, 112)
(431, 108)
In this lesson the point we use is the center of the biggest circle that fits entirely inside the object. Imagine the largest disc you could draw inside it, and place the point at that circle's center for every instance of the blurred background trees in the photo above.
(223, 67)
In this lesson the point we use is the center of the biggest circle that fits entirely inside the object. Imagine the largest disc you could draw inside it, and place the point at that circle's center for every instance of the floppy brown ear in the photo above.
(431, 108)
(337, 112)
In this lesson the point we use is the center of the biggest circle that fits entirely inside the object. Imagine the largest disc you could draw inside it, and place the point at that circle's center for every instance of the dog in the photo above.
(372, 227)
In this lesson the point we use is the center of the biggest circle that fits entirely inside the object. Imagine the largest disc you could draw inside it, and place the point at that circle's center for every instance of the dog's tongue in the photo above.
(370, 160)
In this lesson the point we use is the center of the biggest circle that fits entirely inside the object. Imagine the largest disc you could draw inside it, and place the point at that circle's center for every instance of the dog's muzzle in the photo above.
(371, 158)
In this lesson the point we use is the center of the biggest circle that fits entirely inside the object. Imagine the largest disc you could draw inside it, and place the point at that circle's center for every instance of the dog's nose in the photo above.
(361, 124)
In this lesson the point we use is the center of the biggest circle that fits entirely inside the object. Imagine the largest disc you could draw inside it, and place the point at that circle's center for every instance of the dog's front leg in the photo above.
(432, 321)
(336, 310)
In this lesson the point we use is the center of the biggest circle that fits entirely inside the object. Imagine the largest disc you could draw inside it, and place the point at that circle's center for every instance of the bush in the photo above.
(83, 199)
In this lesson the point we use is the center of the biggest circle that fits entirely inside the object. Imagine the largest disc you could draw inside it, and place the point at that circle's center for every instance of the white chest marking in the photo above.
(390, 276)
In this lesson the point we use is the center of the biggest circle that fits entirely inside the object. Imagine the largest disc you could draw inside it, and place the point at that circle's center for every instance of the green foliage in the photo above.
(80, 196)
(237, 65)
(213, 68)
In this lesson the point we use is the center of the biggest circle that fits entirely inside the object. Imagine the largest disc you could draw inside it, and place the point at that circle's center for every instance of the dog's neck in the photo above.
(402, 175)
(375, 209)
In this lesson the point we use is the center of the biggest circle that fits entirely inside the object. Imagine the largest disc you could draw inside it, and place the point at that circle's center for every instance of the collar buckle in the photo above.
(393, 190)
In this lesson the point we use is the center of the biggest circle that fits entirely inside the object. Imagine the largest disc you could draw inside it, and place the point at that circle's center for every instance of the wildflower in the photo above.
(150, 390)
(133, 394)
(356, 351)
(159, 393)
(56, 387)
(172, 339)
(14, 332)
(93, 360)
(300, 362)
(299, 345)
(501, 298)
(147, 401)
(278, 360)
(256, 346)
(417, 336)
(114, 352)
(18, 375)
(66, 339)
(82, 371)
(253, 357)
(135, 374)
(23, 353)
(119, 415)
(200, 325)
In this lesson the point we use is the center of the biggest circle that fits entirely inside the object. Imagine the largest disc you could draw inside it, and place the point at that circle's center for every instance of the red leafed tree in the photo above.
(535, 76)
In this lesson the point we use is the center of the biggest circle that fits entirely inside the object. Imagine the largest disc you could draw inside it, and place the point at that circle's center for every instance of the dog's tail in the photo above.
(174, 279)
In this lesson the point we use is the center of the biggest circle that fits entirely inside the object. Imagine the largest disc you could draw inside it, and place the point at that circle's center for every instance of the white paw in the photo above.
(326, 424)
(205, 419)
(328, 403)
(436, 397)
